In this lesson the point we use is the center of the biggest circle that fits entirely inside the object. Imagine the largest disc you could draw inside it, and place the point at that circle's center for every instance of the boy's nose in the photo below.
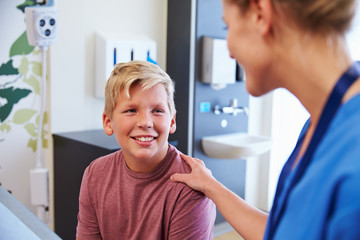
(144, 121)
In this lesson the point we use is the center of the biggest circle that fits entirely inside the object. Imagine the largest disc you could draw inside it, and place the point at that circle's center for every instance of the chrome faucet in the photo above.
(232, 109)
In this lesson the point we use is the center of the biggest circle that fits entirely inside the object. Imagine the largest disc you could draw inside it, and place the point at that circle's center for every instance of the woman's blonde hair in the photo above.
(316, 16)
(143, 73)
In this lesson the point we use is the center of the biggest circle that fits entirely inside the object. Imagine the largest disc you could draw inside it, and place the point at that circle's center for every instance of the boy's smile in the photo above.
(144, 141)
(141, 125)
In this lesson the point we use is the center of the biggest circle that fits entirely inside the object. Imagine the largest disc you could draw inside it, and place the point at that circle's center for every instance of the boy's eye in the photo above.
(130, 111)
(159, 111)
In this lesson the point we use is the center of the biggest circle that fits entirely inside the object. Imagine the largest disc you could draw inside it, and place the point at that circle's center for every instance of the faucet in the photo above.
(232, 109)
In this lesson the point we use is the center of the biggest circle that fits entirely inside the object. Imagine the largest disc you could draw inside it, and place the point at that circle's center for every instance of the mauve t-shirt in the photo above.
(117, 203)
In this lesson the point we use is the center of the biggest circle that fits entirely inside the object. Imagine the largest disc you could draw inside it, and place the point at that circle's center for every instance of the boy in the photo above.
(128, 194)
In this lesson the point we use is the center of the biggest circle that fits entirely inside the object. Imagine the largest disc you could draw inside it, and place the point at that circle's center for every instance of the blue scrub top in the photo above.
(325, 204)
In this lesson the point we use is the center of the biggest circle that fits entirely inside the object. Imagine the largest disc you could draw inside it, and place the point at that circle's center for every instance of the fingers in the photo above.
(191, 161)
(187, 159)
(178, 177)
(199, 176)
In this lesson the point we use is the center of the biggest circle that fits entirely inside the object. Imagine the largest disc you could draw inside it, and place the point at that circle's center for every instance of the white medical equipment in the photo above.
(41, 29)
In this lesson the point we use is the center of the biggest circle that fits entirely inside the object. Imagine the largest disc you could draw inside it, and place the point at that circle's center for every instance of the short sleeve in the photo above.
(193, 217)
(87, 227)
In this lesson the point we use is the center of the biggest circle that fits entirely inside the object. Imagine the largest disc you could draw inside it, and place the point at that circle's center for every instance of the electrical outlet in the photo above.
(41, 25)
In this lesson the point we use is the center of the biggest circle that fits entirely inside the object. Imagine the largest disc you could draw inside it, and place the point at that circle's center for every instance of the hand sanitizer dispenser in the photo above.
(218, 69)
(115, 47)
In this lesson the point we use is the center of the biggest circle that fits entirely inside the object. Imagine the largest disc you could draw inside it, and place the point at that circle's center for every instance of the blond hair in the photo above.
(143, 73)
(315, 16)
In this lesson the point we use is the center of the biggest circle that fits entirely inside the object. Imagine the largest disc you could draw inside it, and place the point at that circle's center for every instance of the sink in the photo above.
(235, 145)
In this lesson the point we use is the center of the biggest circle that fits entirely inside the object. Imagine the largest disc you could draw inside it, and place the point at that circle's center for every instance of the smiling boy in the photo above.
(128, 194)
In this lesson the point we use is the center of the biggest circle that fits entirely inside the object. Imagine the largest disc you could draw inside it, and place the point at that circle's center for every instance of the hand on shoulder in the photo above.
(199, 179)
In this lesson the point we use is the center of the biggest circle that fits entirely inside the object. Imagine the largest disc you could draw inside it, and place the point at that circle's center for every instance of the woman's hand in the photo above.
(200, 177)
(248, 221)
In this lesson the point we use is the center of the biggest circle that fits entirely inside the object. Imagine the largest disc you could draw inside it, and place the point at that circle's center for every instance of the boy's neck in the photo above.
(139, 165)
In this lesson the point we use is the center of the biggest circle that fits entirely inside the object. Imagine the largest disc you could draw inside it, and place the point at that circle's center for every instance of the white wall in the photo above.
(353, 37)
(73, 104)
(257, 168)
(288, 118)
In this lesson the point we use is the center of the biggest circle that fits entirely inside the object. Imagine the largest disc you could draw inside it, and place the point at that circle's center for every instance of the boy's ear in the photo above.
(107, 125)
(172, 125)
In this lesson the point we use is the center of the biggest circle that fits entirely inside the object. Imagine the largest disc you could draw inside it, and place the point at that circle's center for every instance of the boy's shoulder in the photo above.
(178, 164)
(105, 161)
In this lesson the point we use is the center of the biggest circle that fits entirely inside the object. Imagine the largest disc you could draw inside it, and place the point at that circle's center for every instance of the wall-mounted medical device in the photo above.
(113, 47)
(41, 24)
(218, 69)
(41, 30)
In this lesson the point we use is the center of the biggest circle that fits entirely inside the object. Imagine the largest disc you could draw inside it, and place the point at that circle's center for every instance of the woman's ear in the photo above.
(173, 125)
(263, 15)
(107, 125)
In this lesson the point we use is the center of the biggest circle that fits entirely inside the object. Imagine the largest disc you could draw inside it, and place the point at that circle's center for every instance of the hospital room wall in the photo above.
(74, 106)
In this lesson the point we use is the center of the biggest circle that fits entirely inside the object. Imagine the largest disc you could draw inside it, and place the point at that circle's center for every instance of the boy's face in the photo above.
(141, 126)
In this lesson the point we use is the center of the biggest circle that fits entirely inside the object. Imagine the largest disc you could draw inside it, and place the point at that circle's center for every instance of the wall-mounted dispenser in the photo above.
(218, 69)
(112, 48)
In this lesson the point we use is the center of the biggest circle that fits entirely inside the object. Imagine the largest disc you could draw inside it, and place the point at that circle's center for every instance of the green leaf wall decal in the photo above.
(8, 69)
(12, 96)
(26, 4)
(24, 66)
(31, 129)
(23, 115)
(32, 144)
(5, 127)
(34, 83)
(45, 143)
(45, 118)
(37, 68)
(21, 46)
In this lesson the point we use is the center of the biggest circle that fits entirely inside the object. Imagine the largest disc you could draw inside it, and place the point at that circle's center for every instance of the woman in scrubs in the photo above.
(299, 46)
